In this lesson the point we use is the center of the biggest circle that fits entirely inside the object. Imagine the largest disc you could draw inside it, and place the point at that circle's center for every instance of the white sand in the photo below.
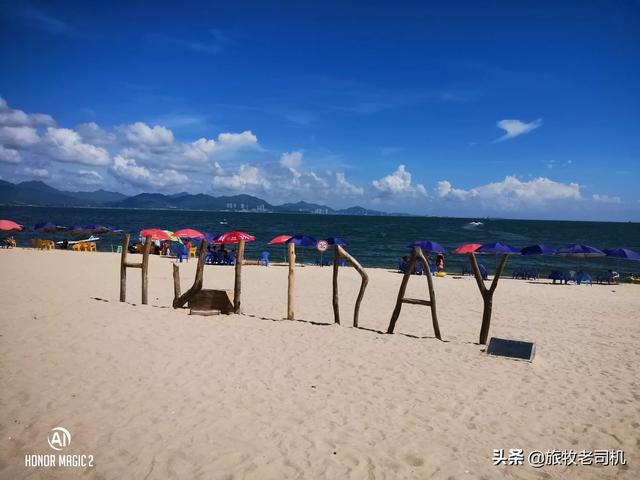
(154, 393)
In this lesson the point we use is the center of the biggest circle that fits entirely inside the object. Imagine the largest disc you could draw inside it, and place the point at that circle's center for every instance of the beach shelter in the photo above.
(620, 252)
(468, 248)
(187, 233)
(156, 234)
(9, 226)
(234, 237)
(279, 240)
(48, 227)
(335, 241)
(487, 293)
(428, 246)
(580, 251)
(538, 249)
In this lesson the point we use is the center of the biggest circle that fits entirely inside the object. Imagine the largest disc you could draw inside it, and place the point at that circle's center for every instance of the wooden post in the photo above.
(291, 249)
(487, 293)
(363, 284)
(237, 289)
(336, 266)
(416, 255)
(145, 269)
(123, 268)
(176, 281)
(181, 300)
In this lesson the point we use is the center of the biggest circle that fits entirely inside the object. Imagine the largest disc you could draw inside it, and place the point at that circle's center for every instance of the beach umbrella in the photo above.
(156, 234)
(498, 247)
(428, 246)
(304, 241)
(580, 251)
(335, 241)
(538, 249)
(234, 237)
(97, 229)
(468, 248)
(9, 226)
(187, 233)
(211, 237)
(279, 240)
(48, 227)
(620, 252)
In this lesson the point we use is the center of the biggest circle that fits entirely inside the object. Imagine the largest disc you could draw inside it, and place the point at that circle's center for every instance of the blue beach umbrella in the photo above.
(622, 253)
(303, 241)
(48, 227)
(580, 251)
(498, 247)
(335, 241)
(538, 249)
(428, 246)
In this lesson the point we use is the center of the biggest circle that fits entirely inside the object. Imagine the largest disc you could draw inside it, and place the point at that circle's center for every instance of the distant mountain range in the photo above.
(36, 193)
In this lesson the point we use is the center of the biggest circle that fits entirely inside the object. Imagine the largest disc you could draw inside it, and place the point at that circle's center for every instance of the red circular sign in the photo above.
(322, 246)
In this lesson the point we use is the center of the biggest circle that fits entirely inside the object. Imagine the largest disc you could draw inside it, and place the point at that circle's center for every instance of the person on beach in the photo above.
(165, 248)
(440, 263)
(188, 244)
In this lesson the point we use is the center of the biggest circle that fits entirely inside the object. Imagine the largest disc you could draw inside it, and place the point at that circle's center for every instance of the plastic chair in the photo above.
(181, 253)
(264, 259)
(585, 278)
(193, 251)
(232, 258)
(119, 249)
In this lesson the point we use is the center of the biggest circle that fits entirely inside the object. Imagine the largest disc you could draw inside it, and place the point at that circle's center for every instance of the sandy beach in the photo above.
(154, 393)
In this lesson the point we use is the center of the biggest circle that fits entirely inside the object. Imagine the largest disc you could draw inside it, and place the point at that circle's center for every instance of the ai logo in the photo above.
(59, 438)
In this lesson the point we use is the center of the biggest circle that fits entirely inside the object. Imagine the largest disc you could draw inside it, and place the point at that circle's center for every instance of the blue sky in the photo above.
(514, 109)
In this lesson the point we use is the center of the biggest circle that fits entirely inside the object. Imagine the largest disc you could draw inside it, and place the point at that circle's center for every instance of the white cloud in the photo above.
(66, 145)
(515, 128)
(291, 160)
(606, 198)
(140, 133)
(36, 172)
(18, 137)
(128, 170)
(89, 177)
(512, 193)
(238, 140)
(9, 155)
(10, 117)
(343, 187)
(398, 184)
(92, 133)
(247, 177)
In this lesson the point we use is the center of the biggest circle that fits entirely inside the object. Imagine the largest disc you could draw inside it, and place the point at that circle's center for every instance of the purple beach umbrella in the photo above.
(581, 251)
(498, 247)
(428, 246)
(304, 241)
(624, 253)
(538, 249)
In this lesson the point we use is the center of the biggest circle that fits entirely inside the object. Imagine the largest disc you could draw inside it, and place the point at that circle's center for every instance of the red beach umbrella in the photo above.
(188, 233)
(280, 240)
(468, 248)
(234, 237)
(156, 234)
(8, 226)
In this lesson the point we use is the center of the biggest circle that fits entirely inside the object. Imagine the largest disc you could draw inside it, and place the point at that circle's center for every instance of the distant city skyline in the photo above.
(467, 109)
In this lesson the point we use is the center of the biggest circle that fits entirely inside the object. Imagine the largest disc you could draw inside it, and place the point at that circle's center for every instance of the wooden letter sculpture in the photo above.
(416, 255)
(338, 252)
(207, 302)
(144, 266)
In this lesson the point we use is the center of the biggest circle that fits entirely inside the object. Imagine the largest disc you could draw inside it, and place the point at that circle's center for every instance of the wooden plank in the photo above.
(417, 301)
(403, 289)
(176, 281)
(209, 299)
